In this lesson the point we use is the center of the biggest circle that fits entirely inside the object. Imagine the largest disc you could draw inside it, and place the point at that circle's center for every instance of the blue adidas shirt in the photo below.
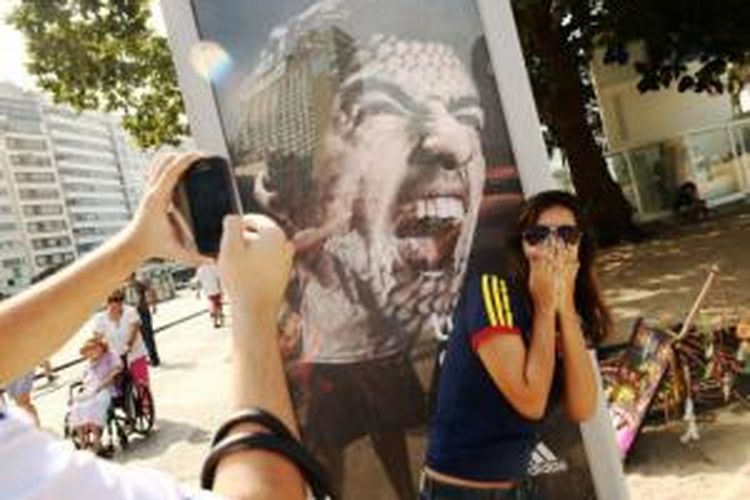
(476, 434)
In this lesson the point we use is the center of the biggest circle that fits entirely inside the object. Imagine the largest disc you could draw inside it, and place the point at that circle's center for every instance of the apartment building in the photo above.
(34, 193)
(68, 181)
(90, 175)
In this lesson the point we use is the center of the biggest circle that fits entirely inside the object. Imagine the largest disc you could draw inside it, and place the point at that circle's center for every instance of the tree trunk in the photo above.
(563, 99)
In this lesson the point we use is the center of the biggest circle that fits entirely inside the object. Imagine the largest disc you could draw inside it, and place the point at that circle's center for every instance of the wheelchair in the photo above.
(130, 412)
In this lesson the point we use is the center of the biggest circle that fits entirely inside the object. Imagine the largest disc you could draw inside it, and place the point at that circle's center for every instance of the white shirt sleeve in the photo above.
(36, 466)
(99, 324)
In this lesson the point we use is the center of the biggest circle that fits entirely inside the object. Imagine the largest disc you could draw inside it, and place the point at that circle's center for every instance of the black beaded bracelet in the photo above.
(289, 448)
(253, 416)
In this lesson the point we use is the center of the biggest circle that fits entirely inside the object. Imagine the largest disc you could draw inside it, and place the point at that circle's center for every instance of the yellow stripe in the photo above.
(506, 302)
(498, 303)
(488, 307)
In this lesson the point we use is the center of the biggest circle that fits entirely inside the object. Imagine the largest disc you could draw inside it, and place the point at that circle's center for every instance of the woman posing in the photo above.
(518, 347)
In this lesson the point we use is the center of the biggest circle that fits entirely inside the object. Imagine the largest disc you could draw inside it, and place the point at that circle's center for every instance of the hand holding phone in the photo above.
(205, 195)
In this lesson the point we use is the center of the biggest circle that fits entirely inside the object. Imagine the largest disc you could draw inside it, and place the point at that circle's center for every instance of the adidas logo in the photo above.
(543, 461)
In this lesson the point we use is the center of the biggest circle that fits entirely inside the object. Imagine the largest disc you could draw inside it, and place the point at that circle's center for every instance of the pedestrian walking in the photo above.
(208, 277)
(146, 305)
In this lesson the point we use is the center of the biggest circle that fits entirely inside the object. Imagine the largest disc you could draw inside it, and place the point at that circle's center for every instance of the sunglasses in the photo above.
(534, 235)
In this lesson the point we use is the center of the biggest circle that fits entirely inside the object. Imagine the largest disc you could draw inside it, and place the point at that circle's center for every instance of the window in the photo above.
(9, 245)
(87, 174)
(79, 130)
(109, 161)
(96, 202)
(95, 146)
(24, 126)
(35, 210)
(104, 217)
(95, 231)
(10, 263)
(41, 177)
(52, 259)
(77, 187)
(8, 226)
(87, 247)
(46, 226)
(35, 194)
(29, 160)
(42, 243)
(19, 109)
(26, 144)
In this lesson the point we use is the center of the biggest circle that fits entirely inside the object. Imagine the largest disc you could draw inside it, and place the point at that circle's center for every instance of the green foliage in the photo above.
(691, 43)
(102, 55)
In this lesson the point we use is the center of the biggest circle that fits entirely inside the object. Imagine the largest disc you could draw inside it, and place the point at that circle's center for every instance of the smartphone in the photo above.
(207, 193)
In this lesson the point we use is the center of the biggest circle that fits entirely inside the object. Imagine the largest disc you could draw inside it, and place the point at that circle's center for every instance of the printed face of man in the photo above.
(406, 173)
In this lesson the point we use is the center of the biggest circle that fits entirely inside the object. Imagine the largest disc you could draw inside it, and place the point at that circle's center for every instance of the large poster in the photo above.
(373, 131)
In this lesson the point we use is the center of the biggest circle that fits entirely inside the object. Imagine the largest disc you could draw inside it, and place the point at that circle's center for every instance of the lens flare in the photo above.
(211, 61)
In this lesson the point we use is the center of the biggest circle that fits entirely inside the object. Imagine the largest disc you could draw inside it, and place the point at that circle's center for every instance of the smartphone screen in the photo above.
(210, 195)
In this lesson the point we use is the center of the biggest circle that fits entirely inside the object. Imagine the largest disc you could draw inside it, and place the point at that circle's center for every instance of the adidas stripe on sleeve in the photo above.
(496, 310)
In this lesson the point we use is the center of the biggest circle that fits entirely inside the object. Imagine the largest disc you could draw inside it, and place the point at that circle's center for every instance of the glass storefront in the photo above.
(717, 160)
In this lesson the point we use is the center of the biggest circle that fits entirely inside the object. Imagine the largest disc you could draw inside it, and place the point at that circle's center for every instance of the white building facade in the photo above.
(68, 181)
(660, 140)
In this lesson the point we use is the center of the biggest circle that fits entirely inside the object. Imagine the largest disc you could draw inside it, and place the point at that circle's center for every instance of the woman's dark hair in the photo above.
(589, 304)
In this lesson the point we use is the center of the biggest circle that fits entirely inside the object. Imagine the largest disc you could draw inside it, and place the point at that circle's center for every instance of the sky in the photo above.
(13, 49)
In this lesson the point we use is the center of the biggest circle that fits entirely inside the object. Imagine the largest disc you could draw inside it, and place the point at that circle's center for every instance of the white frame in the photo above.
(527, 142)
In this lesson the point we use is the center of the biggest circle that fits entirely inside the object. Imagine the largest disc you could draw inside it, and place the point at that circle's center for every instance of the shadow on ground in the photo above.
(169, 433)
(659, 452)
(660, 277)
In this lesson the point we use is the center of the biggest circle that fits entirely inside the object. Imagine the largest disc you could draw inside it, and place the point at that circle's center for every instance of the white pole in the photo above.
(516, 95)
(202, 109)
(601, 449)
(534, 169)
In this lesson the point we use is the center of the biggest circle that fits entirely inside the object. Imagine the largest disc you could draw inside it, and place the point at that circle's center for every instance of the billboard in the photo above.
(375, 133)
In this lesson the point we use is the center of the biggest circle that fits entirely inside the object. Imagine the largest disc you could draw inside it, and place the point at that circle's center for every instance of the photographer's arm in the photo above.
(255, 262)
(38, 321)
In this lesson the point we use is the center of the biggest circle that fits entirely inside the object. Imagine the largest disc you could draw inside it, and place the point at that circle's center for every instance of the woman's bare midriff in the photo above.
(457, 481)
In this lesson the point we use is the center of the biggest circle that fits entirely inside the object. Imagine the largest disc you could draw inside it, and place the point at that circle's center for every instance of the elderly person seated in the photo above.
(90, 404)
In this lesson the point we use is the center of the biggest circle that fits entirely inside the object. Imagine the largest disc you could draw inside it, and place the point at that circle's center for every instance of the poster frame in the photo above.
(527, 143)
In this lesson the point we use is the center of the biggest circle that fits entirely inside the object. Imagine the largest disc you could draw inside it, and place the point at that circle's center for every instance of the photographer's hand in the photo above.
(255, 263)
(157, 230)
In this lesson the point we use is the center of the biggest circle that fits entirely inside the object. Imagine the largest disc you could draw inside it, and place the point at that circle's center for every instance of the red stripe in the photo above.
(480, 337)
